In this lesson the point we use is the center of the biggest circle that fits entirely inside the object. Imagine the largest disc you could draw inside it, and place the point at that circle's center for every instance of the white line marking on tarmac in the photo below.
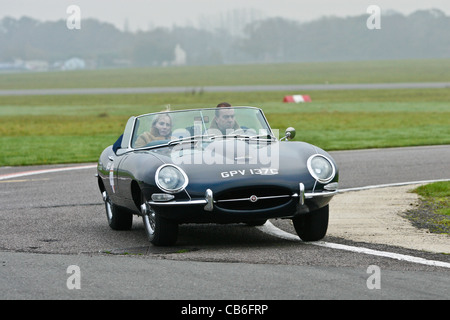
(33, 172)
(269, 228)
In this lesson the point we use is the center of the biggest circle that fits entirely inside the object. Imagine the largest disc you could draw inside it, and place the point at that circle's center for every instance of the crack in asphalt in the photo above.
(57, 206)
(69, 205)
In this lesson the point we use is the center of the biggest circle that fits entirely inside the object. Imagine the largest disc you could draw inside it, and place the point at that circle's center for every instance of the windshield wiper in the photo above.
(237, 135)
(265, 136)
(189, 139)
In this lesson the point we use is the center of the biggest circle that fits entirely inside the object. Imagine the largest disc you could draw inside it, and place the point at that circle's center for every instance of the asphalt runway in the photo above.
(51, 220)
(242, 88)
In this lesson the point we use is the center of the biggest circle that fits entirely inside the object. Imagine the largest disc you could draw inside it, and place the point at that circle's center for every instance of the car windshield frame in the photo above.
(198, 129)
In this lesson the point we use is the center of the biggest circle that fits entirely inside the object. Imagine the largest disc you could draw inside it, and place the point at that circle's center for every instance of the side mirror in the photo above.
(289, 134)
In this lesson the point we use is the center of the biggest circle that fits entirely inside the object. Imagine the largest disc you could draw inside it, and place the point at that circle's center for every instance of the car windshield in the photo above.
(165, 128)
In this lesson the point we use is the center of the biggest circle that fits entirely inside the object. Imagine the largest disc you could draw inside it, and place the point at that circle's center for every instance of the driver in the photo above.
(224, 120)
(161, 130)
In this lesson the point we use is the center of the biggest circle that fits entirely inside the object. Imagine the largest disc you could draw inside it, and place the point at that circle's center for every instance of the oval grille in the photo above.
(255, 198)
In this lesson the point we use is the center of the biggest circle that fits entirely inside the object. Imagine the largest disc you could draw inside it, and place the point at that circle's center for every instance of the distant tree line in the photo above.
(423, 34)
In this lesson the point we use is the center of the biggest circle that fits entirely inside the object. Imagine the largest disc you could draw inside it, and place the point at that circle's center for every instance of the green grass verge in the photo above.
(439, 194)
(433, 213)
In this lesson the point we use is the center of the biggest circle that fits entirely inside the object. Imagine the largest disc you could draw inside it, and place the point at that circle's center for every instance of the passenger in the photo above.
(161, 130)
(224, 121)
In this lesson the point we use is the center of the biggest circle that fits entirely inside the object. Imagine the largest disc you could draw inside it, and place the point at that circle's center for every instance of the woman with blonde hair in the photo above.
(161, 129)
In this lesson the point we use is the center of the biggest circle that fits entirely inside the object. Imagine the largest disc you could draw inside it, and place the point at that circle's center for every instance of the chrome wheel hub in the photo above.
(149, 218)
(109, 213)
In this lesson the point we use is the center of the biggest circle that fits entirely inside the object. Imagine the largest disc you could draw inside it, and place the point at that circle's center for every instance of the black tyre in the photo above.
(313, 225)
(118, 218)
(160, 231)
(256, 223)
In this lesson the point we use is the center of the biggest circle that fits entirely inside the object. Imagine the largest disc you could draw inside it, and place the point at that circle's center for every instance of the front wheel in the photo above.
(313, 225)
(256, 223)
(160, 231)
(118, 218)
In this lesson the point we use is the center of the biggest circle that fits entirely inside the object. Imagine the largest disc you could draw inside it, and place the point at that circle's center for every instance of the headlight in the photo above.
(321, 168)
(171, 178)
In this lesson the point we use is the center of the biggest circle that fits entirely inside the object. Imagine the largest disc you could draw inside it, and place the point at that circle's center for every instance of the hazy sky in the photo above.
(141, 14)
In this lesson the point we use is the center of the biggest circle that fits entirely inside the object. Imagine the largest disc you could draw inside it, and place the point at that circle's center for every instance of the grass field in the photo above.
(62, 129)
(265, 74)
(433, 213)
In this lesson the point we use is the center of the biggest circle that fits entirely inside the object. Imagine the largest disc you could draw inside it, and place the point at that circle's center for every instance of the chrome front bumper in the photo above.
(209, 201)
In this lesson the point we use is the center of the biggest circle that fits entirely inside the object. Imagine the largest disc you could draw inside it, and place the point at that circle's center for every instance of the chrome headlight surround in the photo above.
(171, 178)
(321, 168)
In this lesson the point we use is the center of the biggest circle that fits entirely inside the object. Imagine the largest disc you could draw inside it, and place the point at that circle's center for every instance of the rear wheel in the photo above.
(313, 225)
(160, 231)
(118, 218)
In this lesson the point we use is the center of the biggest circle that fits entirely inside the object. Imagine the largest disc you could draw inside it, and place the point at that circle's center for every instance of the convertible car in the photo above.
(214, 165)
